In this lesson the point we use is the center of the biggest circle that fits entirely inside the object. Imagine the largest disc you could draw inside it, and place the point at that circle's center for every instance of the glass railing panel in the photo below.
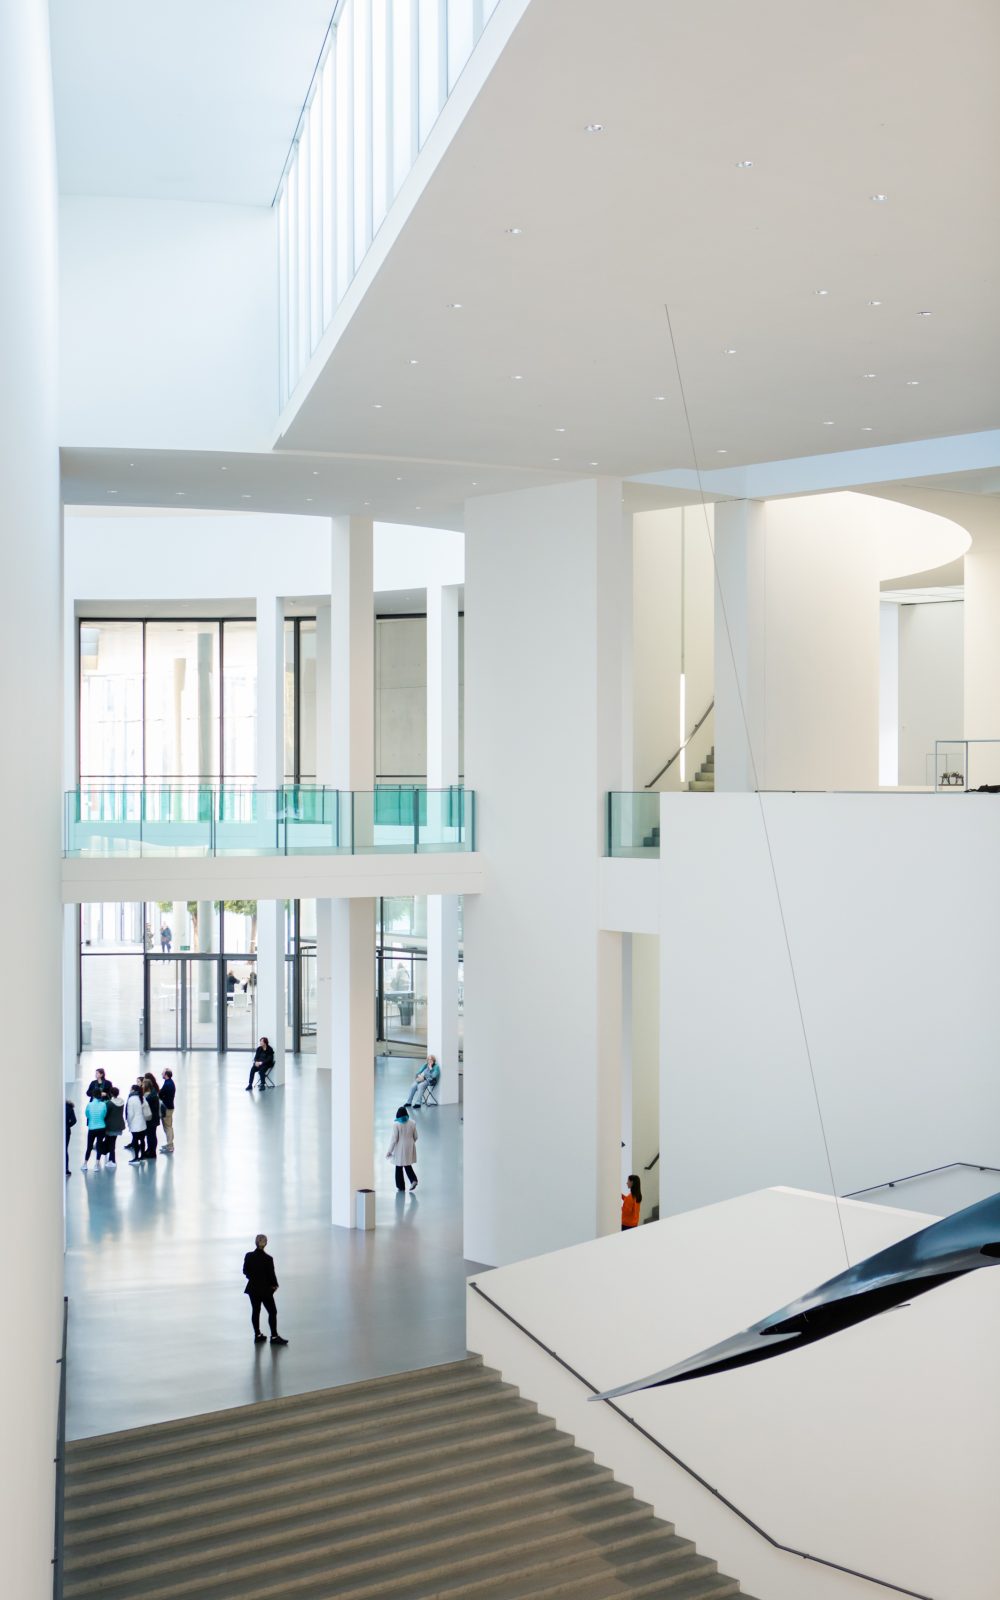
(633, 824)
(103, 821)
(317, 821)
(967, 764)
(443, 826)
(177, 820)
(249, 822)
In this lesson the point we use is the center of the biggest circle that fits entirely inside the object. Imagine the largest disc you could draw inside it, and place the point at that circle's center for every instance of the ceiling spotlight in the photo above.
(455, 305)
(744, 164)
(868, 374)
(315, 472)
(309, 499)
(244, 497)
(911, 383)
(874, 302)
(865, 429)
(821, 291)
(659, 397)
(112, 491)
(367, 502)
(560, 430)
(517, 377)
(924, 313)
(594, 127)
(416, 508)
(513, 230)
(224, 469)
(880, 197)
(414, 362)
(377, 405)
(729, 351)
(399, 480)
(722, 452)
(179, 493)
(593, 463)
(828, 423)
(556, 458)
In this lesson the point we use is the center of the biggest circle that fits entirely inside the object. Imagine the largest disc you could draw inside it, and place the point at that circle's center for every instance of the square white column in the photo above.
(548, 599)
(270, 777)
(739, 644)
(345, 1034)
(442, 773)
(345, 929)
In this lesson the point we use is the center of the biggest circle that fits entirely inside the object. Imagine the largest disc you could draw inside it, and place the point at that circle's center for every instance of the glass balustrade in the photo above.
(385, 72)
(171, 820)
(633, 825)
(966, 764)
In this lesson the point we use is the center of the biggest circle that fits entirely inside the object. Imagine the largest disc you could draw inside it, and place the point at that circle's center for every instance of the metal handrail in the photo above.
(59, 1520)
(890, 1183)
(652, 1164)
(667, 765)
(777, 1544)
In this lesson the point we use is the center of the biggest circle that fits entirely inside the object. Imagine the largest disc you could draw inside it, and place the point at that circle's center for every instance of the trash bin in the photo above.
(364, 1212)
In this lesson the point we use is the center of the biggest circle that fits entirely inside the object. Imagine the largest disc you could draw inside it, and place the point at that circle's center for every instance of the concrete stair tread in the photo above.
(458, 1453)
(421, 1570)
(464, 1519)
(331, 1405)
(514, 1475)
(386, 1433)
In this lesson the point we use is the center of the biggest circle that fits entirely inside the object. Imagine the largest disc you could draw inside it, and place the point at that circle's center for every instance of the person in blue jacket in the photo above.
(425, 1080)
(97, 1115)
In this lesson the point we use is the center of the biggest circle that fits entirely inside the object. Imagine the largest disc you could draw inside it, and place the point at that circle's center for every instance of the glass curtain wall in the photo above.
(171, 702)
(401, 970)
(300, 700)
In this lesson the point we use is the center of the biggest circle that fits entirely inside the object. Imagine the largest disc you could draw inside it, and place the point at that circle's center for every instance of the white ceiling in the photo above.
(833, 104)
(189, 100)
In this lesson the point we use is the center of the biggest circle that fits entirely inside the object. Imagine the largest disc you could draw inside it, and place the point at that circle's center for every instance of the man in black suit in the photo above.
(258, 1269)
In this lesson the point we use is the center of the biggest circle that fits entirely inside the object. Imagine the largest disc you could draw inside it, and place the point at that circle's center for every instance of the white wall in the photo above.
(889, 902)
(931, 700)
(169, 313)
(888, 693)
(876, 1448)
(32, 1185)
(659, 537)
(548, 606)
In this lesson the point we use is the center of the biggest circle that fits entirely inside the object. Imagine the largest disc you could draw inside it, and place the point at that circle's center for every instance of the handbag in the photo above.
(147, 1113)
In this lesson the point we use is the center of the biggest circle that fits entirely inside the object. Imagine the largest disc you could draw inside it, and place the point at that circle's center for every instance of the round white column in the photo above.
(31, 1180)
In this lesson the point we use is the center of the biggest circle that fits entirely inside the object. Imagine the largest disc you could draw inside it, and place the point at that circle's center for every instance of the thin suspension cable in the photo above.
(756, 783)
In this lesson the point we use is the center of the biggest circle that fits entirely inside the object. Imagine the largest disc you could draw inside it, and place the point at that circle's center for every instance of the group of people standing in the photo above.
(148, 1106)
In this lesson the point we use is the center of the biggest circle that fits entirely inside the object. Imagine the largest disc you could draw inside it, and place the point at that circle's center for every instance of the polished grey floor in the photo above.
(158, 1323)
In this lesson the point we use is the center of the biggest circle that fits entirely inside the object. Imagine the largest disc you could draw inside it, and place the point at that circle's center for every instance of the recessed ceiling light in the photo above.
(556, 458)
(869, 374)
(924, 313)
(744, 164)
(224, 469)
(367, 502)
(594, 127)
(722, 452)
(376, 405)
(865, 429)
(112, 491)
(475, 482)
(517, 377)
(179, 493)
(315, 472)
(828, 423)
(659, 397)
(821, 291)
(730, 350)
(309, 499)
(911, 383)
(593, 463)
(874, 302)
(414, 362)
(514, 230)
(560, 430)
(880, 197)
(416, 508)
(244, 497)
(455, 305)
(399, 480)
(132, 464)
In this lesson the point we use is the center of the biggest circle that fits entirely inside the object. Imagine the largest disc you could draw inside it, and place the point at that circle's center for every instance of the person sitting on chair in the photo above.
(262, 1063)
(423, 1083)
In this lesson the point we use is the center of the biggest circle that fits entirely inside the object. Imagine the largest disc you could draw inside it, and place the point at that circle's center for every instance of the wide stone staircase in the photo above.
(439, 1483)
(703, 781)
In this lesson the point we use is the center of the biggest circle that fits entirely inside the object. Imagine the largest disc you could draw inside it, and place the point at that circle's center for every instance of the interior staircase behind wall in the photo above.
(441, 1483)
(703, 781)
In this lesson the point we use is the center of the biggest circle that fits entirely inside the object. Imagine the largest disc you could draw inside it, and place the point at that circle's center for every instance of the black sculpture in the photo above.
(947, 1249)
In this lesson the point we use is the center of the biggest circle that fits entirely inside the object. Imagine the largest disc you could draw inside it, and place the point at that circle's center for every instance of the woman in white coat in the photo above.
(135, 1121)
(403, 1148)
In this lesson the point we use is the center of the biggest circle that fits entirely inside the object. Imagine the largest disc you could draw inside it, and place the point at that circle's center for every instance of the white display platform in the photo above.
(878, 1448)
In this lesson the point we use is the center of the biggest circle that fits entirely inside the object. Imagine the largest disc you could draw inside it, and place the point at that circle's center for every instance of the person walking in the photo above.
(135, 1120)
(168, 1093)
(631, 1203)
(96, 1113)
(403, 1149)
(151, 1096)
(262, 1280)
(166, 938)
(114, 1124)
(70, 1125)
(262, 1062)
(424, 1081)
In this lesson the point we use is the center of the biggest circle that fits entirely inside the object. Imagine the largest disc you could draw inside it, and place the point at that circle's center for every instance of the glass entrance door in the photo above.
(183, 1003)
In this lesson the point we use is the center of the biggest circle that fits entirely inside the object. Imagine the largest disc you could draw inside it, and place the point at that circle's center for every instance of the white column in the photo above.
(271, 776)
(442, 773)
(345, 940)
(32, 1184)
(739, 644)
(345, 929)
(982, 642)
(71, 993)
(544, 742)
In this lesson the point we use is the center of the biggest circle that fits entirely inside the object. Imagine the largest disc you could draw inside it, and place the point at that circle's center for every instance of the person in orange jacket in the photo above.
(631, 1203)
